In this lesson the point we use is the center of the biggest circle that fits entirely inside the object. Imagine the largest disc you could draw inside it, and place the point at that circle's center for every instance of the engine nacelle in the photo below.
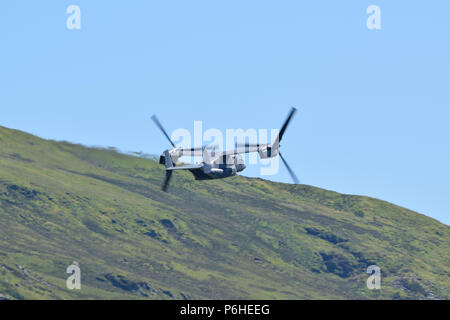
(268, 151)
(175, 154)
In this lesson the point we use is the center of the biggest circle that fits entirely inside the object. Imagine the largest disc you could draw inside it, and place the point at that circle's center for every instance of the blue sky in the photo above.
(373, 104)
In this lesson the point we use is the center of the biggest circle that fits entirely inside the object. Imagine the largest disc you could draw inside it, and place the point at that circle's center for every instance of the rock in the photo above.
(167, 224)
(327, 236)
(153, 234)
(129, 285)
(167, 293)
(337, 264)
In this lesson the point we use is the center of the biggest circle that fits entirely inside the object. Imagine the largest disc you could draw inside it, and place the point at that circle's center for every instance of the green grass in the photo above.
(237, 238)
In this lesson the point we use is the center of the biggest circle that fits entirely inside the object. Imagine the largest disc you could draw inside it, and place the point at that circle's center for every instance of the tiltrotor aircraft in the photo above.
(219, 164)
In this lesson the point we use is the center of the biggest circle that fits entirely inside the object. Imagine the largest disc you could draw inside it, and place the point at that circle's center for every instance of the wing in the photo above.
(198, 152)
(239, 150)
(187, 167)
(192, 152)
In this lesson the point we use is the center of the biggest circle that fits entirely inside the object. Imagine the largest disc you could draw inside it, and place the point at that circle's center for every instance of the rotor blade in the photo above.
(159, 125)
(294, 177)
(167, 180)
(286, 123)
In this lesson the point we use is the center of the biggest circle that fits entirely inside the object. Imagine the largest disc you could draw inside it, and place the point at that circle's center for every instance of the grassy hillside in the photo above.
(225, 239)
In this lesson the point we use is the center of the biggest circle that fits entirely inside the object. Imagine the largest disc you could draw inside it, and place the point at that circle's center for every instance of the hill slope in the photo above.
(225, 239)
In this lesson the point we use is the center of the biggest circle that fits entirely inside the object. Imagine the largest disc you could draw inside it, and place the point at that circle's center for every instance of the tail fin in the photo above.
(168, 160)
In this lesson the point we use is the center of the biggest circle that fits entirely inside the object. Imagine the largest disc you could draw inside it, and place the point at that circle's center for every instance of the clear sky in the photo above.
(374, 105)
